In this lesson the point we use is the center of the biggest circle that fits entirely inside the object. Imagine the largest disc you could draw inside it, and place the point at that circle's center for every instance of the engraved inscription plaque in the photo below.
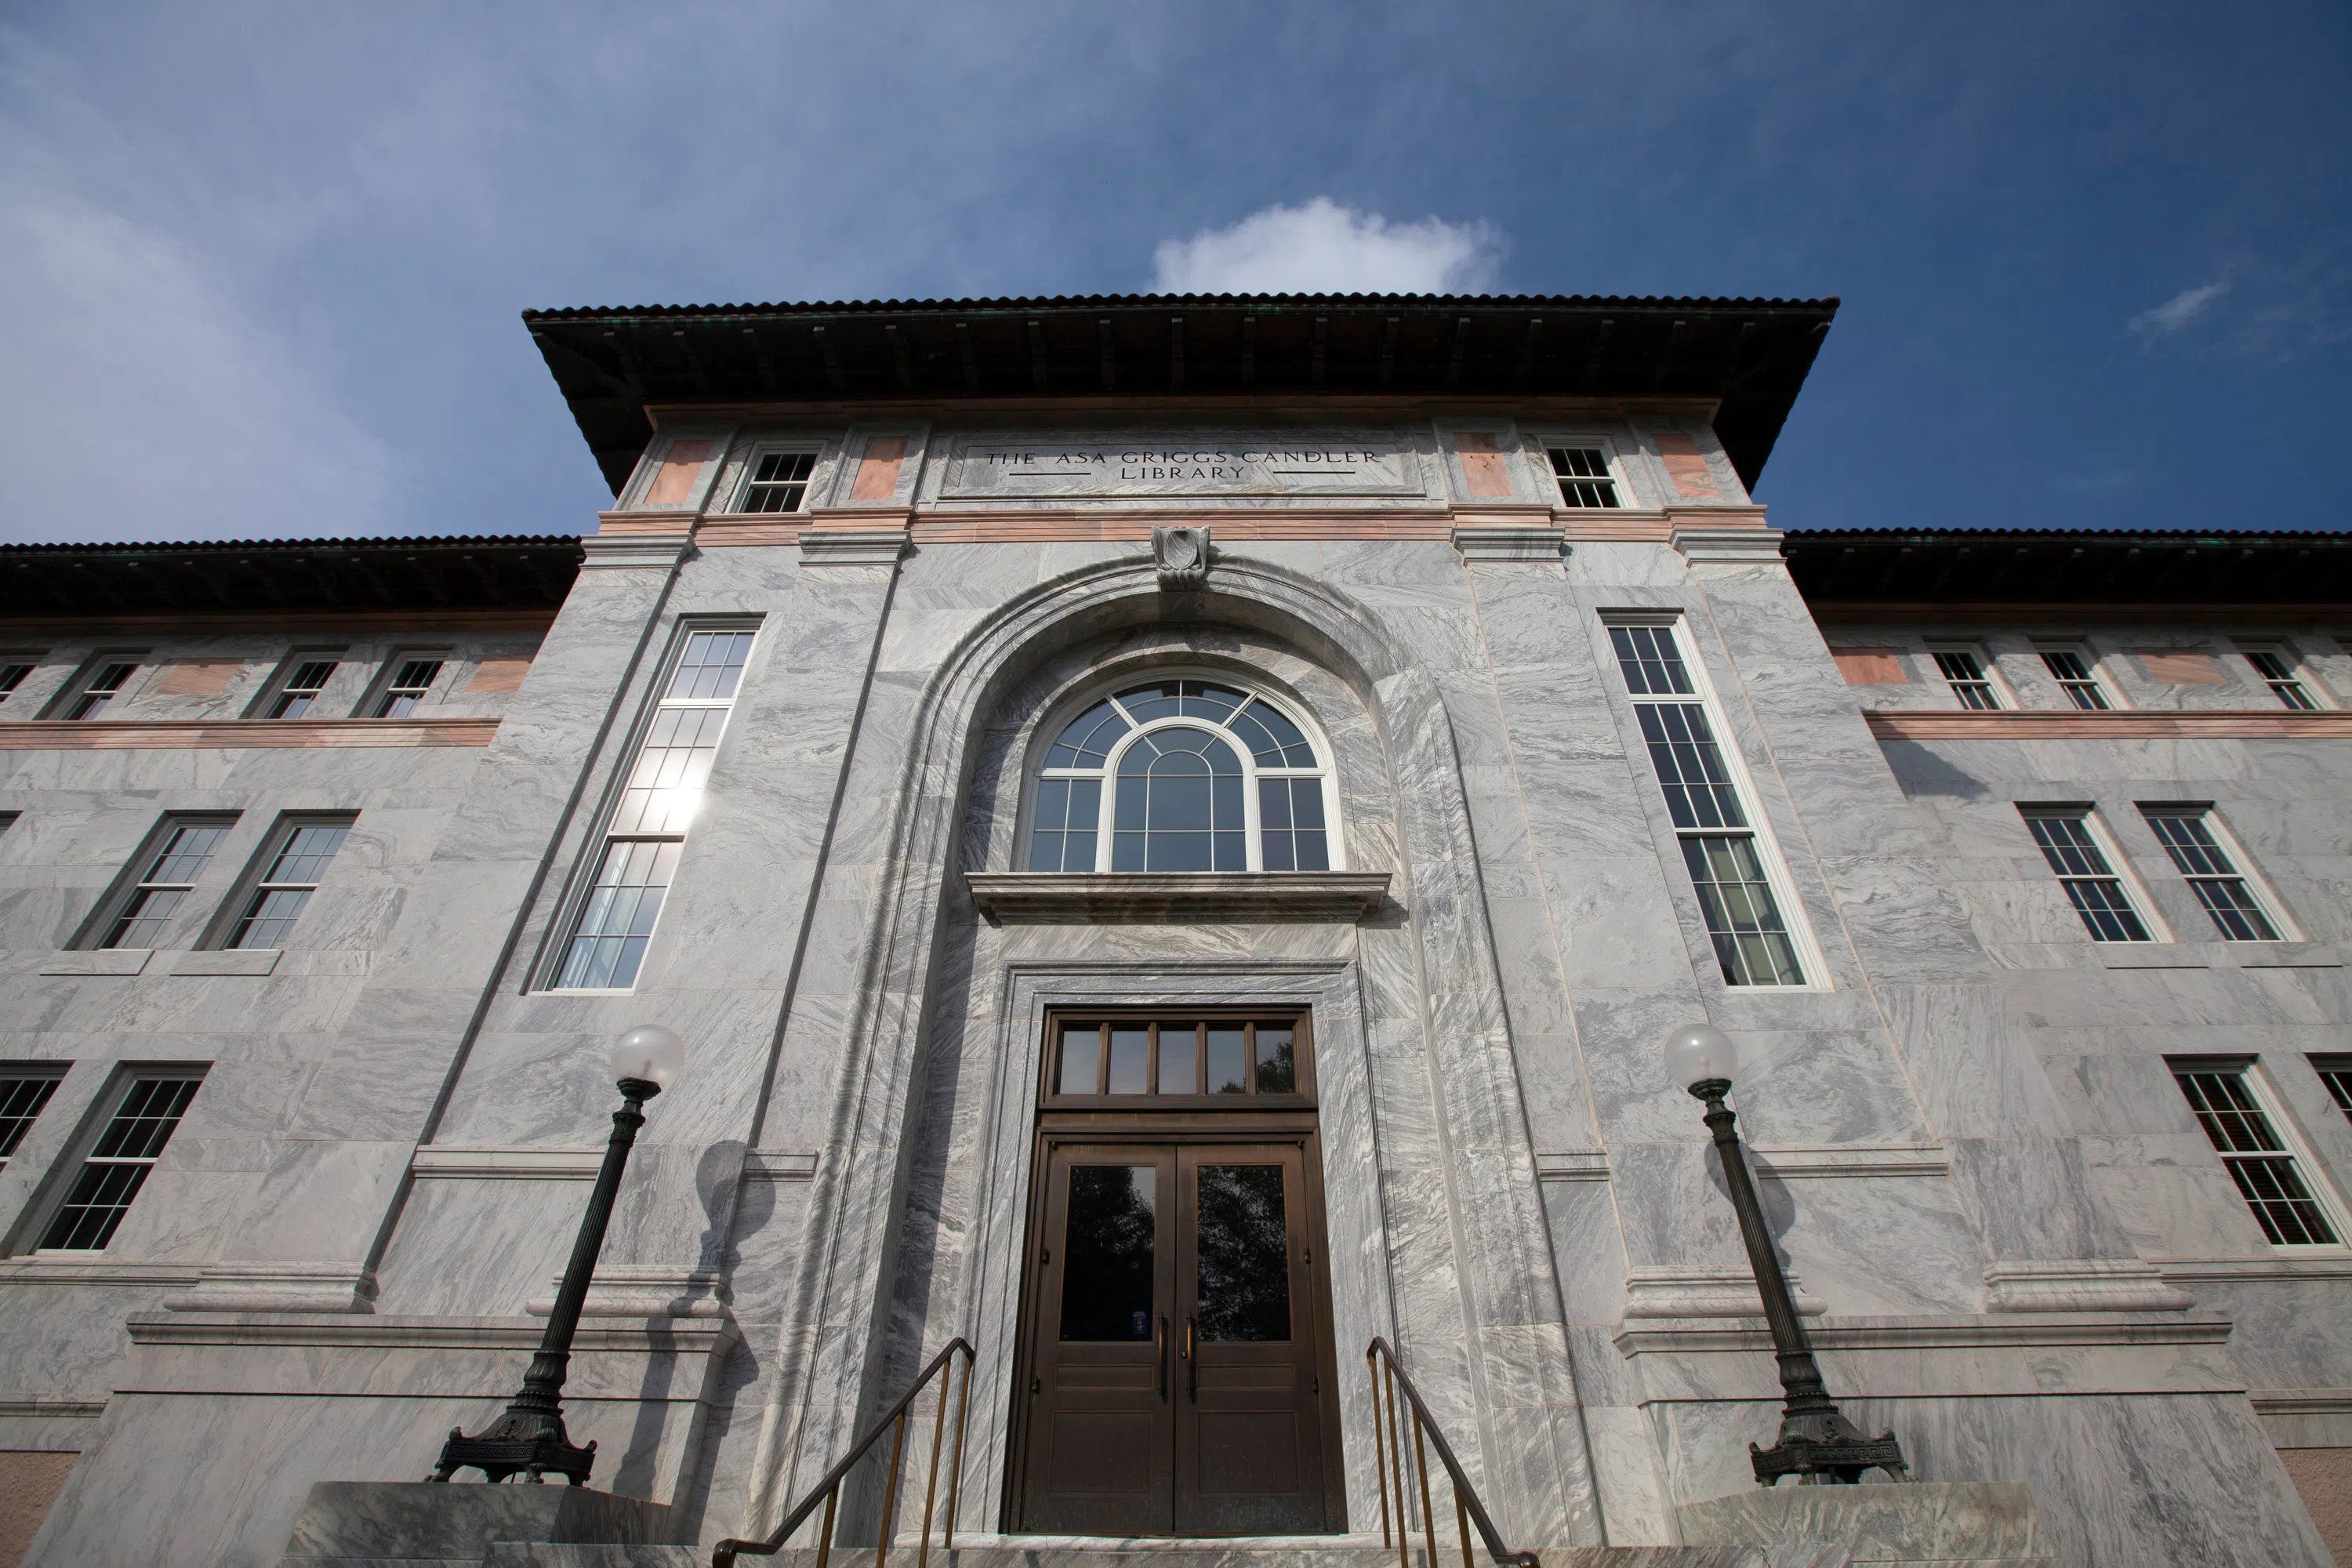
(1151, 463)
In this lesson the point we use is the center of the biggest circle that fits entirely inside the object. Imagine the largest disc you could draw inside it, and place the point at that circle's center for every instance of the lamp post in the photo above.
(529, 1438)
(1816, 1442)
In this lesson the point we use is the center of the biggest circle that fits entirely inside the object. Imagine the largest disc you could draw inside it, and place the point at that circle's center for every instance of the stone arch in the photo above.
(1474, 1292)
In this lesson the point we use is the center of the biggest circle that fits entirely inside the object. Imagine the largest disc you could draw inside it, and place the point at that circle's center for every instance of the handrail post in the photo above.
(1421, 1461)
(1379, 1451)
(932, 1487)
(1396, 1447)
(890, 1488)
(955, 1471)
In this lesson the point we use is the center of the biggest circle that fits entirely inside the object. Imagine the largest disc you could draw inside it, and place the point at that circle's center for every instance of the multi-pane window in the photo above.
(2074, 852)
(13, 672)
(1219, 1056)
(116, 1166)
(1202, 776)
(1728, 870)
(2188, 837)
(303, 686)
(2335, 1073)
(293, 875)
(2265, 1169)
(657, 803)
(406, 687)
(779, 481)
(1584, 477)
(2073, 673)
(23, 1098)
(105, 684)
(171, 873)
(1964, 673)
(2280, 676)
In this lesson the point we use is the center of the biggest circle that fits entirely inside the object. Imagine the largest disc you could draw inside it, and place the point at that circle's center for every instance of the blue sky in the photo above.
(262, 262)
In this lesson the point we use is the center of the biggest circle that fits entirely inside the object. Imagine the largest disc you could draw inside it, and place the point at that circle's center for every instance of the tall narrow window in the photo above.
(1964, 672)
(2335, 1073)
(105, 684)
(779, 481)
(1752, 943)
(404, 687)
(2237, 910)
(2075, 853)
(1200, 775)
(2269, 1178)
(296, 864)
(303, 685)
(658, 799)
(116, 1167)
(1584, 477)
(22, 1097)
(171, 873)
(2281, 677)
(2073, 673)
(13, 672)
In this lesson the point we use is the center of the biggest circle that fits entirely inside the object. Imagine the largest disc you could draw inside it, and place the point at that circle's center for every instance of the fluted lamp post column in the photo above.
(1816, 1444)
(528, 1439)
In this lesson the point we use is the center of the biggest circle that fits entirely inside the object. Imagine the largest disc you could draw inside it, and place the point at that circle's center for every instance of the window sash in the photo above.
(408, 684)
(12, 676)
(2284, 681)
(23, 1098)
(2074, 854)
(779, 481)
(2224, 891)
(296, 867)
(2337, 1081)
(105, 684)
(2266, 1170)
(2076, 678)
(146, 1115)
(1970, 682)
(302, 688)
(172, 870)
(1584, 477)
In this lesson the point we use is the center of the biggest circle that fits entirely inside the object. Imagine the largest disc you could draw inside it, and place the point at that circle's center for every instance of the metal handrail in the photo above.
(1388, 1443)
(828, 1490)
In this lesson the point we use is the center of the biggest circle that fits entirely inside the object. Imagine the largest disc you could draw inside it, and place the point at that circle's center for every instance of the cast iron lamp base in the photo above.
(1839, 1454)
(528, 1442)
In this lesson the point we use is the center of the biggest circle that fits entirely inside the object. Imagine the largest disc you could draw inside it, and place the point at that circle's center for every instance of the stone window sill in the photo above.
(1054, 896)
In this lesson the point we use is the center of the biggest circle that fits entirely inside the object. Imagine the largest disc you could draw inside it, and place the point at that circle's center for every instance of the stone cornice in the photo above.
(1054, 896)
(2122, 724)
(36, 1269)
(1927, 1333)
(346, 1332)
(205, 734)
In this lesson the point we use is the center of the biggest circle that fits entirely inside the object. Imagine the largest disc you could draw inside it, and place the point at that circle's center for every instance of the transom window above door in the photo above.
(1222, 1061)
(1202, 776)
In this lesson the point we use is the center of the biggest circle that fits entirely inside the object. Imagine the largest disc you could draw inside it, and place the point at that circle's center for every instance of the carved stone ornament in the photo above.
(1182, 556)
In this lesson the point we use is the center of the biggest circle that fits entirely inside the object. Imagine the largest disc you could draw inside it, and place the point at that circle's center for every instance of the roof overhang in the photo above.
(1745, 358)
(1853, 571)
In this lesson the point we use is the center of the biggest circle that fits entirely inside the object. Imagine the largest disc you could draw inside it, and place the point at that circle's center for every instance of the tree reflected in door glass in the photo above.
(1278, 1067)
(1107, 1262)
(1243, 1246)
(1228, 1062)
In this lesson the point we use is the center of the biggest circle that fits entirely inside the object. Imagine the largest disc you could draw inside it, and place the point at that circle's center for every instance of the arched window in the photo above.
(1202, 776)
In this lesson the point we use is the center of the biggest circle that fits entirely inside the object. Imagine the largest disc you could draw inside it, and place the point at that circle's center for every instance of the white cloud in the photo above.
(2182, 310)
(1323, 247)
(143, 402)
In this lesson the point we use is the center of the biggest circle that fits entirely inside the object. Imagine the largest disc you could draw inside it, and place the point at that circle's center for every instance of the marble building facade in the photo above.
(1994, 852)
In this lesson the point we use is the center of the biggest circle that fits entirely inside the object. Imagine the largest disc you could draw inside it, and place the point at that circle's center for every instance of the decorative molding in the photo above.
(1804, 1162)
(1060, 898)
(739, 529)
(2081, 1285)
(2337, 1266)
(1707, 1291)
(1181, 557)
(226, 960)
(348, 622)
(1487, 545)
(2301, 1401)
(654, 522)
(99, 961)
(1925, 1333)
(37, 1269)
(642, 1290)
(328, 1332)
(1716, 540)
(521, 1162)
(235, 1286)
(2119, 723)
(623, 551)
(853, 546)
(206, 735)
(36, 1406)
(1574, 1165)
(778, 1166)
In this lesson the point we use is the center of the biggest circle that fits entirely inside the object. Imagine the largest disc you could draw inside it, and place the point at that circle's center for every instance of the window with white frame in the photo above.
(779, 481)
(146, 1110)
(2076, 847)
(2194, 839)
(300, 691)
(1584, 476)
(405, 683)
(2233, 1108)
(2071, 667)
(1965, 670)
(2277, 668)
(2336, 1074)
(14, 669)
(658, 798)
(1202, 776)
(24, 1093)
(1731, 869)
(102, 682)
(169, 868)
(295, 860)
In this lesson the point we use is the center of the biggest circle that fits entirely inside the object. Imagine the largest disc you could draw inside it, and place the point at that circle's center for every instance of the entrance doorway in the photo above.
(1178, 1362)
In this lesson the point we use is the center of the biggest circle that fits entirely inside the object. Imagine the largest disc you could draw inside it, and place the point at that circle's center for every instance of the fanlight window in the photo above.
(1202, 777)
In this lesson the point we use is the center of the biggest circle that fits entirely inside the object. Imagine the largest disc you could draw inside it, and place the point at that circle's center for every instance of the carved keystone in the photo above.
(1182, 556)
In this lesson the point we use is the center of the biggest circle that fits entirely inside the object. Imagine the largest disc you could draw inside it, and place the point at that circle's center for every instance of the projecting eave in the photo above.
(1850, 570)
(1746, 358)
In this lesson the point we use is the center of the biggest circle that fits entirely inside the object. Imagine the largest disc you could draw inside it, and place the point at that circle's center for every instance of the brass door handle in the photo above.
(1192, 1365)
(1159, 1356)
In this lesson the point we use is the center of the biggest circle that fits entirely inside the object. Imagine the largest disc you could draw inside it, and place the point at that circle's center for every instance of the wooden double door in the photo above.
(1179, 1355)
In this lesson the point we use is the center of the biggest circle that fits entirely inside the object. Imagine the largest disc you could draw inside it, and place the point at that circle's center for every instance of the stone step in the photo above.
(1161, 1554)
